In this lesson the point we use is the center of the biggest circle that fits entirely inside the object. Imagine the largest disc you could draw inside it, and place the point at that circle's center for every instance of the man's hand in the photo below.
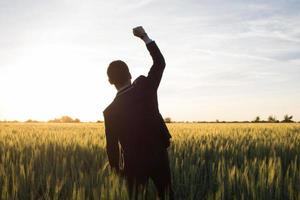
(139, 32)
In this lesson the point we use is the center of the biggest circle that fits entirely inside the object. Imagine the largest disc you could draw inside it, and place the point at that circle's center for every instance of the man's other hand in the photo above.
(139, 32)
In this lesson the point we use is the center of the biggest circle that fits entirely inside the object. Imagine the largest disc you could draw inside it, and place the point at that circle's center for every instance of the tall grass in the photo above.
(208, 161)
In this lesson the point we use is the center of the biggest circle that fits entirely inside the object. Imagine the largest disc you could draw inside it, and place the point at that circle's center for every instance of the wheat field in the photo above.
(208, 161)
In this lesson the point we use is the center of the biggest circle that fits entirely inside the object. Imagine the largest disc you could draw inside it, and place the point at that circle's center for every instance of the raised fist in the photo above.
(139, 32)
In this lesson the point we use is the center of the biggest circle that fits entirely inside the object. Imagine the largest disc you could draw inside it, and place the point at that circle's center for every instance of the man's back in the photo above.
(134, 119)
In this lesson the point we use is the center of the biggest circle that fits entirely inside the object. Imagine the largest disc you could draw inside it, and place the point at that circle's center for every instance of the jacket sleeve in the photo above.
(112, 144)
(157, 69)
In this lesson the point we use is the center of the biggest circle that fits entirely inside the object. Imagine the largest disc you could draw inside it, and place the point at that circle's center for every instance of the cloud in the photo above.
(134, 5)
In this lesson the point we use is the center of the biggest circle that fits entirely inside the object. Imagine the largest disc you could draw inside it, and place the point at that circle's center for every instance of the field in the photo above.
(208, 161)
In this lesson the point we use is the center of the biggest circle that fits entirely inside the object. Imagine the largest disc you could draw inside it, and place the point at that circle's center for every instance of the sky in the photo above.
(225, 60)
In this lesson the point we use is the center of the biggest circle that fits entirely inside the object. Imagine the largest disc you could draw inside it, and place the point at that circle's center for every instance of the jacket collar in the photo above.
(123, 89)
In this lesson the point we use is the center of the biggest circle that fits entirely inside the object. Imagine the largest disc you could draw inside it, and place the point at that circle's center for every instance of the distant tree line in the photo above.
(65, 119)
(31, 121)
(271, 119)
(168, 120)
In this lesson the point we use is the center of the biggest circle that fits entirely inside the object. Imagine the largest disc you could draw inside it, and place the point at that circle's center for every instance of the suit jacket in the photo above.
(133, 120)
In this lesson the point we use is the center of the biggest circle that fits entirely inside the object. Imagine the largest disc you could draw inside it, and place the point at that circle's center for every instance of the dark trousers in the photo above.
(159, 173)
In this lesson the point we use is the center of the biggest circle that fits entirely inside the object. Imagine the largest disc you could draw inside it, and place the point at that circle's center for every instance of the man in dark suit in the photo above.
(133, 120)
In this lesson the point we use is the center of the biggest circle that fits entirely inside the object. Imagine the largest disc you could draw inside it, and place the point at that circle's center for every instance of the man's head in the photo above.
(118, 73)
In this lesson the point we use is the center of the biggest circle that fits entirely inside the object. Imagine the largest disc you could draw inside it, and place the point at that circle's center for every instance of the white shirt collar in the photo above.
(125, 86)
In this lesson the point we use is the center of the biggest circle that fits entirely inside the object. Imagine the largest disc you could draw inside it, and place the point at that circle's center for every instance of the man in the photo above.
(133, 121)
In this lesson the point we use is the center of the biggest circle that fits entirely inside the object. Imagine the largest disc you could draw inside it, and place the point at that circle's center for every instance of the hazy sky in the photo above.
(226, 60)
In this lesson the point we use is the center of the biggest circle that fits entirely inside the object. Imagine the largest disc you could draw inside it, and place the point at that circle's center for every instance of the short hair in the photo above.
(118, 72)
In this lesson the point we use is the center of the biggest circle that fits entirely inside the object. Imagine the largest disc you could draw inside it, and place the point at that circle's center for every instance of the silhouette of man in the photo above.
(133, 120)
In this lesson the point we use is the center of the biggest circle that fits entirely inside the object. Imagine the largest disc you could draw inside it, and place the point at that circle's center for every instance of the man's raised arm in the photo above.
(157, 69)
